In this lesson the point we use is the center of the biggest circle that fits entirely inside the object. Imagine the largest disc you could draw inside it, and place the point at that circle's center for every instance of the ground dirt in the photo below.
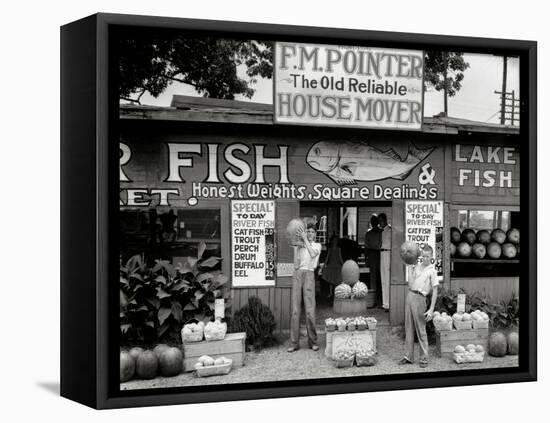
(276, 364)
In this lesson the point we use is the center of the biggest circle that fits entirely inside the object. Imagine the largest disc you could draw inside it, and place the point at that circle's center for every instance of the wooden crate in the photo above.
(332, 338)
(232, 347)
(350, 307)
(447, 340)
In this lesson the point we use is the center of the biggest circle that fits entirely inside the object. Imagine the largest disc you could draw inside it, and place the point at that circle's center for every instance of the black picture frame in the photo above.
(89, 207)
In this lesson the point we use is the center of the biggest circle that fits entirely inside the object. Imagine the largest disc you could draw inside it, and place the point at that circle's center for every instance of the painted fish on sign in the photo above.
(349, 162)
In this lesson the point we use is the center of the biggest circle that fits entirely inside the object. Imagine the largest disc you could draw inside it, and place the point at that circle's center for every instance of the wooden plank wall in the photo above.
(497, 289)
(398, 285)
(276, 298)
(285, 211)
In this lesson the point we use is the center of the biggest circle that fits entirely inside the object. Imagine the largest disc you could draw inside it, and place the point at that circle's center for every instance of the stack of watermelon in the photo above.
(147, 364)
(484, 244)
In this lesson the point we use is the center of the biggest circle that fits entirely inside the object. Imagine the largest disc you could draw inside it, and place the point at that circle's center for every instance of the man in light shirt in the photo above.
(306, 259)
(385, 253)
(422, 281)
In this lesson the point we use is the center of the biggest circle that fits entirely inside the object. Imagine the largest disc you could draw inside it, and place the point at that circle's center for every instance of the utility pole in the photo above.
(503, 91)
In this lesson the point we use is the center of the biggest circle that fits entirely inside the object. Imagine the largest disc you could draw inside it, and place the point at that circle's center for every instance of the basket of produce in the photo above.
(480, 319)
(192, 332)
(462, 321)
(361, 323)
(208, 366)
(341, 324)
(215, 331)
(365, 357)
(442, 321)
(351, 326)
(344, 357)
(371, 323)
(330, 324)
(469, 354)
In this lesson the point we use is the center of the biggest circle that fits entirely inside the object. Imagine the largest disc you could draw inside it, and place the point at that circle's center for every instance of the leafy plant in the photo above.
(503, 314)
(156, 301)
(257, 320)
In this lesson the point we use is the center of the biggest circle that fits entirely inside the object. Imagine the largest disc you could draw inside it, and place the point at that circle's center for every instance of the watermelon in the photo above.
(513, 235)
(455, 235)
(159, 349)
(494, 250)
(509, 250)
(498, 235)
(171, 362)
(410, 251)
(452, 249)
(479, 250)
(147, 365)
(469, 236)
(127, 366)
(464, 249)
(497, 344)
(135, 352)
(360, 290)
(342, 291)
(513, 343)
(292, 231)
(350, 272)
(483, 236)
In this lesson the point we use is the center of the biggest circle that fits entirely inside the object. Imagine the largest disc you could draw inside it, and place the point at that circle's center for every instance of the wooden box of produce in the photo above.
(232, 347)
(368, 337)
(349, 306)
(446, 341)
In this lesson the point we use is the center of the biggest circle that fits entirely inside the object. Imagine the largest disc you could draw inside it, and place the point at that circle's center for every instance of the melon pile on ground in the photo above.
(139, 363)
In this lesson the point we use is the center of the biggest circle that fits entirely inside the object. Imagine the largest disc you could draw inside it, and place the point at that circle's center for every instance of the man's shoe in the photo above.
(423, 364)
(292, 349)
(315, 347)
(404, 360)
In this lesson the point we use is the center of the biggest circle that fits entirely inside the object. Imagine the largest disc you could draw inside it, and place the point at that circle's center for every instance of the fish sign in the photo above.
(347, 162)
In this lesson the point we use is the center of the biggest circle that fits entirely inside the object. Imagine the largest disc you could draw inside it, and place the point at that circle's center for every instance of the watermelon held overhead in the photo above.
(292, 229)
(409, 251)
(498, 345)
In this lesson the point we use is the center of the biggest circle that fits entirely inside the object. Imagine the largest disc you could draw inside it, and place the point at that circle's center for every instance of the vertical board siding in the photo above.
(497, 289)
(277, 299)
(263, 295)
(285, 308)
(397, 308)
(397, 269)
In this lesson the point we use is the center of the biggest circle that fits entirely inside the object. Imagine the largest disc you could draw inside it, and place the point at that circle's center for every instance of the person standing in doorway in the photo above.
(332, 270)
(385, 254)
(373, 243)
(306, 259)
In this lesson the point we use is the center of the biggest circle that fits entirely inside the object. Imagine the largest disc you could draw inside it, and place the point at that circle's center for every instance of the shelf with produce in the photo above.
(484, 260)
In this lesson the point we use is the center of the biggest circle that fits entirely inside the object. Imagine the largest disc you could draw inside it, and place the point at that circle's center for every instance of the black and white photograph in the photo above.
(296, 210)
(288, 211)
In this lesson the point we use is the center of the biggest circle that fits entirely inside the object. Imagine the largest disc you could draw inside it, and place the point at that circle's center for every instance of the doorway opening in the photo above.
(341, 231)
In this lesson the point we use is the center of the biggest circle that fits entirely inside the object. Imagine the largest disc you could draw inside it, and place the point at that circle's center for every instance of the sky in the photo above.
(476, 99)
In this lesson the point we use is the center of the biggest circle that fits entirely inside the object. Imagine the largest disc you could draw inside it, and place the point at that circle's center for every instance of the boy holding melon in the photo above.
(422, 280)
(306, 259)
